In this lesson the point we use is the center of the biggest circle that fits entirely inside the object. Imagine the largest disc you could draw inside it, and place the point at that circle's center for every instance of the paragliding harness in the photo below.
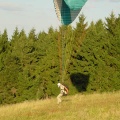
(66, 90)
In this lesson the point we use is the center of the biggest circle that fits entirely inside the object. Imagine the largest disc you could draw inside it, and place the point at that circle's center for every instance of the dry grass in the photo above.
(104, 106)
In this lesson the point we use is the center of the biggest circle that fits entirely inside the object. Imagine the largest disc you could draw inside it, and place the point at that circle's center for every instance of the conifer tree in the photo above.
(4, 47)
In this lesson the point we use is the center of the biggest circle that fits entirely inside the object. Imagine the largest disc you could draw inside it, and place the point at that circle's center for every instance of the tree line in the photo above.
(86, 58)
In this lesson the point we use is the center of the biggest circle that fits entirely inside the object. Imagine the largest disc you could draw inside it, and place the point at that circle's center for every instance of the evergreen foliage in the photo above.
(86, 58)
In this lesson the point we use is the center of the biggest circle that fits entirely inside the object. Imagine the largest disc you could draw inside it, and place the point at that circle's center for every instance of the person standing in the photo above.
(63, 91)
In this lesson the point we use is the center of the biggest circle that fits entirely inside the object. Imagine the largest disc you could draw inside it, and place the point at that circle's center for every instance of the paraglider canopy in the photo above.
(67, 10)
(75, 4)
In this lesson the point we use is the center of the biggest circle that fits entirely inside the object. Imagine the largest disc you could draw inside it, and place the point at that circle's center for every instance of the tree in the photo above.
(4, 47)
(4, 44)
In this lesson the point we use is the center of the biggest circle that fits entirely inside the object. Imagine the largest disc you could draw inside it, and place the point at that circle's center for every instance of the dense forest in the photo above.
(85, 58)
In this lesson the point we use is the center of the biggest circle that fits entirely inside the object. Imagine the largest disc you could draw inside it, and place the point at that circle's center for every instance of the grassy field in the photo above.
(105, 106)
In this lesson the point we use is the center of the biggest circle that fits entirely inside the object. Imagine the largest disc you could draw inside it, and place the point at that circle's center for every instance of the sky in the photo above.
(41, 15)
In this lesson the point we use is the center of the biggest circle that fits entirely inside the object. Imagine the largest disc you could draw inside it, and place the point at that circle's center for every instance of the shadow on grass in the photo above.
(80, 81)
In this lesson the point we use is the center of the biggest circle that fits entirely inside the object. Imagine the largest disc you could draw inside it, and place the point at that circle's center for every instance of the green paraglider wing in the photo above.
(75, 4)
(67, 10)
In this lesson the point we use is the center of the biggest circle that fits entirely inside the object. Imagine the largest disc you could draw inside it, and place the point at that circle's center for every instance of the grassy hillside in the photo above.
(105, 106)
